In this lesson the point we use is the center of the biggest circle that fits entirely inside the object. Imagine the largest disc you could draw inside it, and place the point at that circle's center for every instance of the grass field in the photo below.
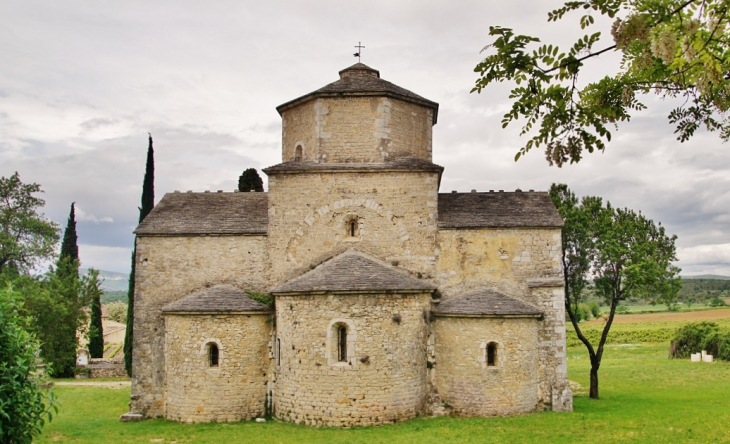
(645, 397)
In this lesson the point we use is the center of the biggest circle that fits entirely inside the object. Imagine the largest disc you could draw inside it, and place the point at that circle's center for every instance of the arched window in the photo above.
(298, 153)
(492, 354)
(341, 343)
(213, 355)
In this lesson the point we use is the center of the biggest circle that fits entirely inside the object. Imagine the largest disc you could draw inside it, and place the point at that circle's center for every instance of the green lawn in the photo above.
(645, 398)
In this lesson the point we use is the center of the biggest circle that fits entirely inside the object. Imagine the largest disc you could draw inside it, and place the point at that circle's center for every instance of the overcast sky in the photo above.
(83, 82)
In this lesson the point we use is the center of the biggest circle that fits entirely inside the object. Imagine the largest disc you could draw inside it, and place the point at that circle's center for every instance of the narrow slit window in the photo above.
(353, 226)
(298, 153)
(342, 343)
(213, 355)
(278, 351)
(492, 354)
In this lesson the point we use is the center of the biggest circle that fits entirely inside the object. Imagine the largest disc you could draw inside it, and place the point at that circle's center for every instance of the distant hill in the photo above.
(115, 285)
(113, 281)
(716, 277)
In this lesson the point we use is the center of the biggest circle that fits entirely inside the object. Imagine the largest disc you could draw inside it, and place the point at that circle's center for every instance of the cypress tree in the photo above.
(250, 181)
(96, 330)
(148, 202)
(62, 346)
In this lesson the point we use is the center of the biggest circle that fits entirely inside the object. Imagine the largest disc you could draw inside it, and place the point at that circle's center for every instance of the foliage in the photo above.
(110, 296)
(148, 203)
(651, 400)
(626, 254)
(717, 302)
(266, 299)
(673, 48)
(117, 311)
(703, 290)
(24, 407)
(594, 308)
(26, 236)
(250, 181)
(697, 336)
(91, 285)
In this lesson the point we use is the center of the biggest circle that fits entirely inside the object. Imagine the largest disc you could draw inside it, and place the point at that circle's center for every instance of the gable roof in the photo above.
(497, 210)
(486, 303)
(221, 298)
(362, 80)
(353, 271)
(207, 213)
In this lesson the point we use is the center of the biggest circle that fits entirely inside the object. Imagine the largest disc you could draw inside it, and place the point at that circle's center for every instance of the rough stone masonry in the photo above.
(390, 299)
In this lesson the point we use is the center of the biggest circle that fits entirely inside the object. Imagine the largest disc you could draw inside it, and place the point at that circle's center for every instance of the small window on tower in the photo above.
(342, 343)
(298, 153)
(213, 355)
(492, 354)
(353, 228)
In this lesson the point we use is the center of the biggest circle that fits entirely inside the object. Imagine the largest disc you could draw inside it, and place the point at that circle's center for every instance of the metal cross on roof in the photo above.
(359, 50)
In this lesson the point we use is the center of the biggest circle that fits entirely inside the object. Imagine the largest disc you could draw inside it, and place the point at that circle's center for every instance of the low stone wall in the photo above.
(106, 368)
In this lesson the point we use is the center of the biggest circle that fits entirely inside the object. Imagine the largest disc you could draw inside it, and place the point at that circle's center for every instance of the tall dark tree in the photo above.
(148, 203)
(626, 255)
(250, 181)
(64, 343)
(92, 288)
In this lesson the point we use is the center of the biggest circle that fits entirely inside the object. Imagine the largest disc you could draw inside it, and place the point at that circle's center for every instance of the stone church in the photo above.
(391, 300)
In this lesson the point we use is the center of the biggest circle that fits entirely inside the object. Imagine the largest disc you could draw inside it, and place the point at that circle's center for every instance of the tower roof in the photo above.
(361, 80)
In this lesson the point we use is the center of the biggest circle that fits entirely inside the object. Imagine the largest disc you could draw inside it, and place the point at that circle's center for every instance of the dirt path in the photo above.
(107, 384)
(703, 315)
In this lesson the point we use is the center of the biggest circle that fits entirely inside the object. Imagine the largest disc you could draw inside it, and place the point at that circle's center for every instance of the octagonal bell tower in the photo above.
(360, 118)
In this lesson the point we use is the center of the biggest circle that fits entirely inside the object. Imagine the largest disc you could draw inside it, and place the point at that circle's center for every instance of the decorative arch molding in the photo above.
(346, 209)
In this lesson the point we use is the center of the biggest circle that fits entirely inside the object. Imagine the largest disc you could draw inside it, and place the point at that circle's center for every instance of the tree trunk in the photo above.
(594, 383)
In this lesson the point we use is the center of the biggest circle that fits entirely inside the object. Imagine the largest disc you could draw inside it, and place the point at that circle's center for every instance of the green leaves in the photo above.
(671, 48)
(23, 406)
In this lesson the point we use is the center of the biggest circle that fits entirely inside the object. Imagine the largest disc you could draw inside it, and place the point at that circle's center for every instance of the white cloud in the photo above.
(83, 216)
(705, 254)
(105, 258)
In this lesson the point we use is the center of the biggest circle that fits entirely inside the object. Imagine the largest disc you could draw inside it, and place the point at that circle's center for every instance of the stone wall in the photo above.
(464, 380)
(384, 379)
(235, 389)
(502, 259)
(396, 214)
(357, 130)
(168, 269)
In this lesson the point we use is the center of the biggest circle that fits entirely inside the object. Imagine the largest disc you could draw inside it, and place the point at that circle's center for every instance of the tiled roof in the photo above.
(222, 298)
(486, 303)
(207, 213)
(404, 163)
(353, 271)
(362, 80)
(497, 210)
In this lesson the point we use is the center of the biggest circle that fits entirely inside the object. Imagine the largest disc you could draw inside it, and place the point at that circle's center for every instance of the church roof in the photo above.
(486, 303)
(353, 271)
(221, 298)
(497, 210)
(404, 163)
(362, 80)
(207, 213)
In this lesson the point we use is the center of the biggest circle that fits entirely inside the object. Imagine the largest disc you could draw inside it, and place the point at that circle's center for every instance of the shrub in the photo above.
(717, 302)
(23, 405)
(117, 311)
(595, 309)
(691, 338)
